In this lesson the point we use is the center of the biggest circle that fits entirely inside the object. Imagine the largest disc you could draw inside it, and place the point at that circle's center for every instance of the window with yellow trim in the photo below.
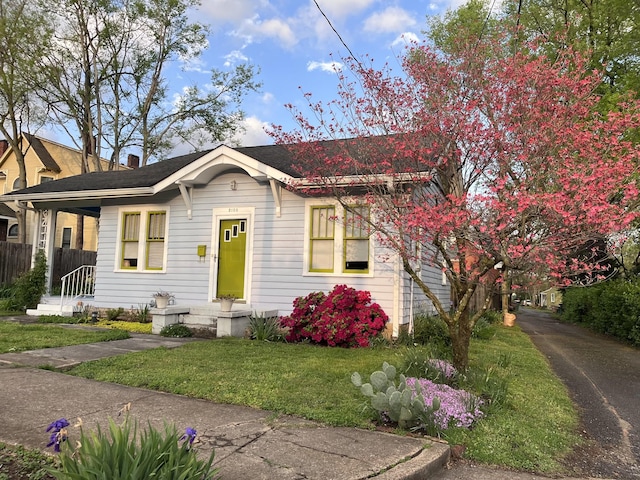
(155, 240)
(143, 240)
(355, 251)
(130, 240)
(321, 239)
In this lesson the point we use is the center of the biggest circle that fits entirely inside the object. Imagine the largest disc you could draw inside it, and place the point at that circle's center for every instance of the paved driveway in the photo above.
(603, 378)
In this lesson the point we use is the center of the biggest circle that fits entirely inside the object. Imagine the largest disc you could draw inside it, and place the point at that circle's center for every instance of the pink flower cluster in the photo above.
(345, 318)
(458, 408)
(448, 370)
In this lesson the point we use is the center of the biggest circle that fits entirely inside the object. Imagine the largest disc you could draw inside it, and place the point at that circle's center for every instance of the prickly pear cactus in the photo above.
(397, 402)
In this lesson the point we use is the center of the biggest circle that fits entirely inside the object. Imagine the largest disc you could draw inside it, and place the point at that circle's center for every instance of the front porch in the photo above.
(233, 323)
(210, 317)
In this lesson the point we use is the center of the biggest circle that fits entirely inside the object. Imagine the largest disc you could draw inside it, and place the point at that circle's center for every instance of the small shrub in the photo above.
(141, 314)
(128, 453)
(178, 330)
(346, 318)
(483, 329)
(114, 313)
(492, 317)
(27, 290)
(265, 328)
(431, 329)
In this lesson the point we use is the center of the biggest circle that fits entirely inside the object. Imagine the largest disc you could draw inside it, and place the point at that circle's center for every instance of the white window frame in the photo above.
(338, 242)
(144, 212)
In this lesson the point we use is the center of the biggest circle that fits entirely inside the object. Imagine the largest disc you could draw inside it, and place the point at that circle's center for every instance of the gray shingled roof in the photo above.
(146, 176)
(6, 211)
(275, 156)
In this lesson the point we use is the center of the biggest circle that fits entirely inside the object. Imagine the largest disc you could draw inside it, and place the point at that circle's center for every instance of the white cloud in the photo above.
(331, 67)
(392, 19)
(275, 28)
(234, 58)
(220, 11)
(405, 39)
(254, 133)
(339, 9)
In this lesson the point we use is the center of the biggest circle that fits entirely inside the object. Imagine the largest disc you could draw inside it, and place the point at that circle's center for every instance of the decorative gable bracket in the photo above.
(187, 196)
(276, 191)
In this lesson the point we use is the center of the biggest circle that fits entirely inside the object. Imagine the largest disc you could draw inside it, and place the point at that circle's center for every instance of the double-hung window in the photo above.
(322, 239)
(155, 240)
(356, 239)
(339, 239)
(142, 238)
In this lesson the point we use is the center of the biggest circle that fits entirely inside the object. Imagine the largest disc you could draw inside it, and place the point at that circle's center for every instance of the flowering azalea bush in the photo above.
(345, 317)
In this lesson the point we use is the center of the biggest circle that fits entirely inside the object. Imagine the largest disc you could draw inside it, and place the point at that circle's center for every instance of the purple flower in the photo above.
(58, 431)
(58, 425)
(189, 435)
(444, 367)
(458, 408)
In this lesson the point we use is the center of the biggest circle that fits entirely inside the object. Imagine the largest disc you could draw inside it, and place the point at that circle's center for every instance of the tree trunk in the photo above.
(79, 232)
(21, 216)
(504, 294)
(460, 334)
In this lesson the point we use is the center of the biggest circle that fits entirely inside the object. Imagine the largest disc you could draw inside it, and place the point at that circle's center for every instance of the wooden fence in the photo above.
(15, 259)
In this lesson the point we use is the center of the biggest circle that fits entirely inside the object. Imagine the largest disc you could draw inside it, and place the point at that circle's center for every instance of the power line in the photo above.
(335, 31)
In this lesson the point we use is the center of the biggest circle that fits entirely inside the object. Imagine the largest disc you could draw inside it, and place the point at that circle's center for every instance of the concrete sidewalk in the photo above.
(249, 443)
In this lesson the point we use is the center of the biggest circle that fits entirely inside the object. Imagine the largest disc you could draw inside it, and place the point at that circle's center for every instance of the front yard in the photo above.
(15, 337)
(532, 429)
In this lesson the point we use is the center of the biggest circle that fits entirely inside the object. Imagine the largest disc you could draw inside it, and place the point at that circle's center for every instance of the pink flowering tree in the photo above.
(472, 160)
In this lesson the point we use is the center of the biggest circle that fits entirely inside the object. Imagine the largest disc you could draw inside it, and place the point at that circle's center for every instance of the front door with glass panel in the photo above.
(232, 250)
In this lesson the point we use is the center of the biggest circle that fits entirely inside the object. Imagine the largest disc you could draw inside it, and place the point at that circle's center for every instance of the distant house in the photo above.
(222, 222)
(45, 161)
(7, 221)
(551, 298)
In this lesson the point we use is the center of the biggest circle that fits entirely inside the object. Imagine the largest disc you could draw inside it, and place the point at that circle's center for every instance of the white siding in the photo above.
(277, 276)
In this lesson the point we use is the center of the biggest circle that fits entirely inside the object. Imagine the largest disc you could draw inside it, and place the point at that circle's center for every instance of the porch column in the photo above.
(44, 237)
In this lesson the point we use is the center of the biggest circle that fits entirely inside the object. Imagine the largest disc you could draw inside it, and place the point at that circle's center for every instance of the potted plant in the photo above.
(226, 301)
(162, 298)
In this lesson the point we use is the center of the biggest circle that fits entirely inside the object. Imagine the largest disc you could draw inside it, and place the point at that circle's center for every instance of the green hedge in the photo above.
(612, 308)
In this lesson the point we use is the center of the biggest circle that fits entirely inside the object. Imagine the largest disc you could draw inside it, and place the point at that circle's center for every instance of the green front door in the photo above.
(231, 257)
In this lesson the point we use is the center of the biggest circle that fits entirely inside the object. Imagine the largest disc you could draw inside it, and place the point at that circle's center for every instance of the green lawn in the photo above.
(15, 337)
(534, 428)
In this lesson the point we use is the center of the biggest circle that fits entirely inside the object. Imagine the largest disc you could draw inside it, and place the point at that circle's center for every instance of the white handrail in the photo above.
(78, 283)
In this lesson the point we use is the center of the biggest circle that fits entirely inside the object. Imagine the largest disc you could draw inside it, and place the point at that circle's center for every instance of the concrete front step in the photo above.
(199, 320)
(51, 309)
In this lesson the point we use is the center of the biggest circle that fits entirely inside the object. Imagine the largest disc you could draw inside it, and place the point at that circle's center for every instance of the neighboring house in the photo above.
(45, 161)
(7, 222)
(551, 298)
(222, 222)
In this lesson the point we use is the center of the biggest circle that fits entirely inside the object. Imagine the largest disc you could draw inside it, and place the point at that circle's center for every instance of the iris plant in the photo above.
(58, 431)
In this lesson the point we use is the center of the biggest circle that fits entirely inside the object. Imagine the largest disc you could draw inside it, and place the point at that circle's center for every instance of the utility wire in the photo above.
(336, 32)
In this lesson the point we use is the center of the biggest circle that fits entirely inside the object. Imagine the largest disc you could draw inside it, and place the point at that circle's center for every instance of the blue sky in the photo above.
(293, 45)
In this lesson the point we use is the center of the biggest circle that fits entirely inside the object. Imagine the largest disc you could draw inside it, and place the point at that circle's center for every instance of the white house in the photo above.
(223, 222)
